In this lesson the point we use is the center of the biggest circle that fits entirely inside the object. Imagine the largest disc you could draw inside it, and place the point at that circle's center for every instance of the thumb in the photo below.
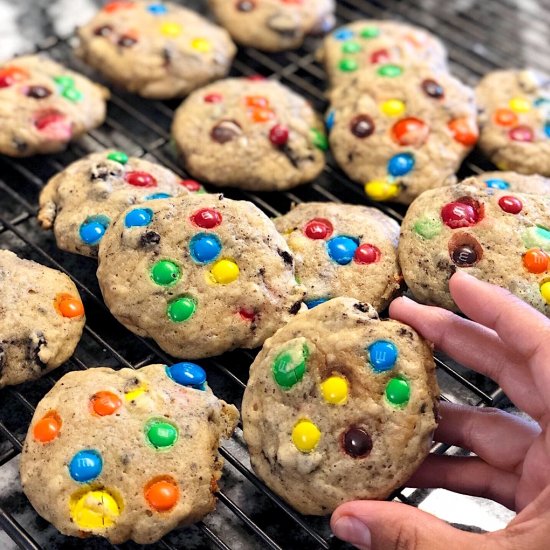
(373, 525)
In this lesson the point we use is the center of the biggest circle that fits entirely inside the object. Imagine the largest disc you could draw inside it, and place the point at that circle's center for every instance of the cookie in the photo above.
(274, 25)
(361, 44)
(80, 202)
(44, 105)
(252, 134)
(343, 250)
(401, 130)
(157, 50)
(497, 236)
(128, 454)
(514, 120)
(42, 318)
(339, 406)
(512, 181)
(200, 274)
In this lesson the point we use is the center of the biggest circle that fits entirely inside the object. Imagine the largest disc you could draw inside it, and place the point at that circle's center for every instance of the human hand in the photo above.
(509, 342)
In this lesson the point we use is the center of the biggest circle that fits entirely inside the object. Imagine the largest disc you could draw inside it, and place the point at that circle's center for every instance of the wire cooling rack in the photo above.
(481, 36)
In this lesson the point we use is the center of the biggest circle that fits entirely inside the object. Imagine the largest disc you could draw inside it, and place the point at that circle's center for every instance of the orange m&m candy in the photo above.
(69, 306)
(505, 117)
(47, 428)
(256, 101)
(464, 131)
(262, 115)
(410, 131)
(535, 260)
(11, 75)
(111, 7)
(105, 403)
(162, 494)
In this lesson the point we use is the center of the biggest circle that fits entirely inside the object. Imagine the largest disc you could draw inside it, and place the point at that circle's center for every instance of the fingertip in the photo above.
(400, 305)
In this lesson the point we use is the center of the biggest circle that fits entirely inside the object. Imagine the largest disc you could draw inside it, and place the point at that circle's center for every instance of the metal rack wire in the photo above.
(481, 35)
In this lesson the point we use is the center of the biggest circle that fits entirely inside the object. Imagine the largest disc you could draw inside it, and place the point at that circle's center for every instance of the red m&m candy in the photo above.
(521, 133)
(410, 131)
(191, 185)
(213, 98)
(278, 135)
(140, 179)
(366, 254)
(511, 205)
(318, 228)
(207, 218)
(459, 214)
(380, 56)
(247, 314)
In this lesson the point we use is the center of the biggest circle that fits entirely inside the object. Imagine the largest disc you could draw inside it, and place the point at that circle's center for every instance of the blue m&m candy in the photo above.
(382, 355)
(205, 248)
(139, 217)
(401, 164)
(316, 302)
(343, 34)
(155, 196)
(341, 249)
(157, 9)
(497, 183)
(330, 120)
(547, 128)
(92, 230)
(85, 465)
(187, 374)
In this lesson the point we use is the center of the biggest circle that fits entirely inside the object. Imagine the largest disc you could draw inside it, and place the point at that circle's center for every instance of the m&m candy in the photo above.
(69, 306)
(432, 88)
(187, 374)
(162, 494)
(278, 135)
(118, 156)
(362, 126)
(318, 228)
(290, 366)
(341, 249)
(511, 205)
(497, 183)
(181, 309)
(165, 273)
(367, 254)
(105, 403)
(464, 131)
(390, 71)
(382, 355)
(140, 179)
(225, 272)
(47, 428)
(545, 291)
(161, 434)
(378, 190)
(459, 214)
(401, 164)
(393, 107)
(94, 510)
(335, 390)
(522, 133)
(398, 392)
(305, 436)
(357, 442)
(139, 217)
(92, 231)
(207, 218)
(536, 260)
(410, 131)
(205, 248)
(85, 465)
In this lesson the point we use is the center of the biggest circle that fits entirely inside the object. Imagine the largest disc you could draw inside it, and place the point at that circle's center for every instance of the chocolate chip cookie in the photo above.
(155, 49)
(501, 237)
(252, 134)
(80, 202)
(200, 274)
(343, 250)
(364, 43)
(401, 130)
(44, 105)
(42, 318)
(126, 455)
(514, 120)
(339, 406)
(274, 25)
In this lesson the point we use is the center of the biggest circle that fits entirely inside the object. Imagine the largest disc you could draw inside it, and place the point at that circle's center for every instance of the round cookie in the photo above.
(274, 25)
(497, 236)
(401, 130)
(343, 250)
(520, 183)
(339, 406)
(44, 105)
(42, 318)
(200, 274)
(81, 201)
(361, 44)
(128, 454)
(156, 49)
(514, 120)
(252, 134)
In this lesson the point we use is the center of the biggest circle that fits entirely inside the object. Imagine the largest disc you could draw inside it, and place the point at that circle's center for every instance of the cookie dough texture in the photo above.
(115, 503)
(371, 275)
(366, 43)
(44, 105)
(402, 134)
(95, 190)
(273, 25)
(520, 183)
(333, 339)
(232, 280)
(156, 50)
(514, 108)
(485, 238)
(224, 133)
(35, 336)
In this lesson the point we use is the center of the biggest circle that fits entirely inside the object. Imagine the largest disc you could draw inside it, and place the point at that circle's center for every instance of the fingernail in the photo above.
(353, 531)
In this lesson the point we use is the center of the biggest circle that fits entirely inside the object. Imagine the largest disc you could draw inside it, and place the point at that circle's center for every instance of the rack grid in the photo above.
(481, 35)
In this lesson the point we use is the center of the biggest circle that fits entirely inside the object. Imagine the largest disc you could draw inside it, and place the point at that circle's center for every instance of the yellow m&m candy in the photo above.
(393, 107)
(95, 510)
(519, 105)
(201, 45)
(171, 29)
(335, 390)
(305, 436)
(381, 190)
(545, 291)
(225, 272)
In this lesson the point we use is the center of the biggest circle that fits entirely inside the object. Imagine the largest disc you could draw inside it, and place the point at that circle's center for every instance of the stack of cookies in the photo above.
(340, 405)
